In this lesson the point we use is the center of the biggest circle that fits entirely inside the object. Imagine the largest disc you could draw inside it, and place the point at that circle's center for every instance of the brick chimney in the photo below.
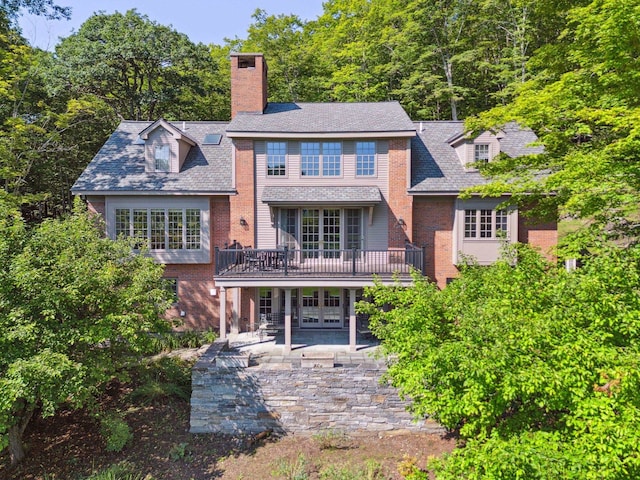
(248, 83)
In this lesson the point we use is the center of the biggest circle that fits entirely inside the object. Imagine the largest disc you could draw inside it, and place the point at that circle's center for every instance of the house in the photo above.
(287, 211)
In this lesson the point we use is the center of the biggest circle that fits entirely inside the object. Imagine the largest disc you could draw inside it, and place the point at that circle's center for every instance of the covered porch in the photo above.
(295, 313)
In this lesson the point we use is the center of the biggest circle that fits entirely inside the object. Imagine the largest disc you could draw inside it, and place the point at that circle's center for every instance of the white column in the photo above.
(352, 320)
(235, 299)
(287, 320)
(223, 313)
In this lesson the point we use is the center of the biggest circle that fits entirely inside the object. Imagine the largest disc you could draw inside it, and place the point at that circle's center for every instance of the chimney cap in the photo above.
(245, 54)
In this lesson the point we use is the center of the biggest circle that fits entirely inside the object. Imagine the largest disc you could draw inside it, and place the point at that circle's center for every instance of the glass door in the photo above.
(321, 308)
(330, 233)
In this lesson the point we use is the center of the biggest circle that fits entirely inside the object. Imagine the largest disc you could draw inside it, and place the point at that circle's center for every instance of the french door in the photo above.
(323, 234)
(321, 307)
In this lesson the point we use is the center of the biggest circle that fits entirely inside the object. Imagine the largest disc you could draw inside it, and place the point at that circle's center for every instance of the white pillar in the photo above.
(352, 320)
(223, 313)
(235, 298)
(287, 320)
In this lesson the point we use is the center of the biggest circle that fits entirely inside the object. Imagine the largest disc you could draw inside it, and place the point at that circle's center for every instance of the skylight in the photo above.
(212, 139)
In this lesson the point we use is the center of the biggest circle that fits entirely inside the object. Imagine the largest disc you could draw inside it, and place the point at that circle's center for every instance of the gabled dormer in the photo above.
(481, 148)
(165, 147)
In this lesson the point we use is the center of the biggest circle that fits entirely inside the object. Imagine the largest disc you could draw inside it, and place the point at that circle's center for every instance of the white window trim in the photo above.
(375, 160)
(162, 148)
(286, 159)
(201, 255)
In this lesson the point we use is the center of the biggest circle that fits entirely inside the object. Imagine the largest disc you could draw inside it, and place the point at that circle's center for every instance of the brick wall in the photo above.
(541, 235)
(400, 203)
(433, 228)
(96, 205)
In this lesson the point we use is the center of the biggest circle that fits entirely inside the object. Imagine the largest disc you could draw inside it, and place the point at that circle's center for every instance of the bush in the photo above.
(167, 377)
(115, 431)
(291, 469)
(536, 368)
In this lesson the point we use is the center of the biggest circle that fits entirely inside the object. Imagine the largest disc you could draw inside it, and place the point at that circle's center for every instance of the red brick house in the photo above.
(288, 210)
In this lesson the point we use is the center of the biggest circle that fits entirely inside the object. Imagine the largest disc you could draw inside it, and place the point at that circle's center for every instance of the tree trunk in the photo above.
(448, 70)
(16, 449)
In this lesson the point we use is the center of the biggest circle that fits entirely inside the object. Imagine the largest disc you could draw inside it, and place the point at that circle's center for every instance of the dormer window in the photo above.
(161, 156)
(481, 152)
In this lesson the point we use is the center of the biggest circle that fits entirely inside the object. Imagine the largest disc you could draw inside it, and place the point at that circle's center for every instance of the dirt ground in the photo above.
(69, 446)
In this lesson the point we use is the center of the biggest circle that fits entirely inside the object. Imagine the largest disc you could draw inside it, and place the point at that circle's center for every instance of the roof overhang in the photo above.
(155, 193)
(313, 135)
(321, 195)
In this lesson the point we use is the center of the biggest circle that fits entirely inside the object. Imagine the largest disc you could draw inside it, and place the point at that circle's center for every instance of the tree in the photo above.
(534, 367)
(584, 105)
(141, 69)
(74, 307)
(46, 8)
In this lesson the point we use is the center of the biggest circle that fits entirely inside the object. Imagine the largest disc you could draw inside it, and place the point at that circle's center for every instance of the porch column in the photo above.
(352, 320)
(223, 313)
(287, 320)
(235, 299)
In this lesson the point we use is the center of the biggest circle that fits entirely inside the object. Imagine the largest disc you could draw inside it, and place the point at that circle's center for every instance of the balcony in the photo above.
(284, 262)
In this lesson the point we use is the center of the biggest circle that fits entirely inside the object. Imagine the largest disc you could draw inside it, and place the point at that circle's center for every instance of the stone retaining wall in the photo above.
(285, 397)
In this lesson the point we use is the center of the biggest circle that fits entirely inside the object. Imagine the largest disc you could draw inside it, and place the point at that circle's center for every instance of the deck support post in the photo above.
(287, 320)
(223, 313)
(235, 309)
(352, 320)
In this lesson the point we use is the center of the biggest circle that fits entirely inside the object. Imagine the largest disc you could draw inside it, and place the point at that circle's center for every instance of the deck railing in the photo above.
(292, 262)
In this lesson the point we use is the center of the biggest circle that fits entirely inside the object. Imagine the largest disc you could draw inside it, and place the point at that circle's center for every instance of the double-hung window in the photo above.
(481, 152)
(365, 159)
(276, 159)
(161, 156)
(320, 159)
(485, 223)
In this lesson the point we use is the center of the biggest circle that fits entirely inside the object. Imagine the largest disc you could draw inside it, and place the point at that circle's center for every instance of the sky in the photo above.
(205, 21)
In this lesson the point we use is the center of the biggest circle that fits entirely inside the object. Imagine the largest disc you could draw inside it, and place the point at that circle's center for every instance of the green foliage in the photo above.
(584, 105)
(174, 340)
(534, 367)
(141, 69)
(409, 469)
(118, 471)
(330, 439)
(167, 377)
(74, 308)
(115, 431)
(291, 469)
(179, 451)
(372, 470)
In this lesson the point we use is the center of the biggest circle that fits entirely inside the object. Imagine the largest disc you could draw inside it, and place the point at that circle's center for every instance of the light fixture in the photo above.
(401, 222)
(243, 222)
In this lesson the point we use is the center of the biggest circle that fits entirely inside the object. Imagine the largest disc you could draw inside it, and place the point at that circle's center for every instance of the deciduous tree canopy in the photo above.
(74, 306)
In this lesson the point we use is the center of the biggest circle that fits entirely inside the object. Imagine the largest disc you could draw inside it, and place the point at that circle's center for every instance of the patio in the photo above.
(271, 349)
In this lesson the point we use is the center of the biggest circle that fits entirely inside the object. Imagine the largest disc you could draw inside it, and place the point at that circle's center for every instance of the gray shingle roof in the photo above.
(325, 118)
(119, 165)
(325, 194)
(435, 165)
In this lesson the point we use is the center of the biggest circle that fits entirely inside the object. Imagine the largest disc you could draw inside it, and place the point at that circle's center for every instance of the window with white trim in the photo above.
(320, 159)
(161, 156)
(365, 159)
(481, 152)
(276, 159)
(485, 223)
(164, 228)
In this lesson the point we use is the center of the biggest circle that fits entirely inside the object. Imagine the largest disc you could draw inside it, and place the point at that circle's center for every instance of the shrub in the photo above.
(167, 377)
(115, 431)
(331, 439)
(289, 469)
